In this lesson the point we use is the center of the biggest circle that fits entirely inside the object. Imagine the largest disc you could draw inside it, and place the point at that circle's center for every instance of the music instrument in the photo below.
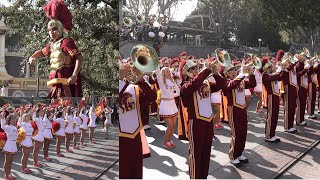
(305, 52)
(223, 57)
(140, 18)
(255, 61)
(144, 58)
(127, 21)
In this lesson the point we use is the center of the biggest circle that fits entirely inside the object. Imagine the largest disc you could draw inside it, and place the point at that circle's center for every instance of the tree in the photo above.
(97, 39)
(140, 6)
(298, 20)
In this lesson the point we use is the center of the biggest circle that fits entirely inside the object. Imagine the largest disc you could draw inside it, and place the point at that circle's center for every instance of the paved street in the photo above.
(307, 168)
(86, 163)
(266, 159)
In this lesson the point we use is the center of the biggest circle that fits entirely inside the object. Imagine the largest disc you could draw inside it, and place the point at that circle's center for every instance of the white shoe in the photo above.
(153, 114)
(235, 162)
(290, 130)
(276, 137)
(270, 140)
(303, 123)
(312, 116)
(146, 127)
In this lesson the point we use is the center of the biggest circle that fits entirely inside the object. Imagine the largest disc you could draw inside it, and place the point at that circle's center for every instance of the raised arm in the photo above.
(177, 90)
(159, 78)
(191, 86)
(3, 123)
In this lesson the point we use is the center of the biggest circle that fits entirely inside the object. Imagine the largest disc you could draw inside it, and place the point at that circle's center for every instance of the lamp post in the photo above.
(259, 46)
(217, 26)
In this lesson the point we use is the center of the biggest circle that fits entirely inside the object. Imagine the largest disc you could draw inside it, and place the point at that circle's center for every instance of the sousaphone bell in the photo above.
(144, 58)
(223, 57)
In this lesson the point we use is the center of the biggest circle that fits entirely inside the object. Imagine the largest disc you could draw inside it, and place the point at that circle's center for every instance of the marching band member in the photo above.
(290, 88)
(8, 124)
(317, 77)
(76, 129)
(174, 67)
(272, 94)
(235, 109)
(47, 134)
(302, 77)
(38, 138)
(69, 128)
(131, 130)
(195, 94)
(215, 103)
(258, 89)
(25, 125)
(84, 125)
(312, 88)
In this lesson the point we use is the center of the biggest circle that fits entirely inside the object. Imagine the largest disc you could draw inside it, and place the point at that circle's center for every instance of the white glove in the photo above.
(279, 69)
(315, 64)
(307, 66)
(241, 74)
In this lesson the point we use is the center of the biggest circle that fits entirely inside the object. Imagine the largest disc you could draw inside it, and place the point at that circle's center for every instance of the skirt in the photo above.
(77, 129)
(258, 88)
(84, 126)
(107, 121)
(168, 108)
(10, 147)
(60, 132)
(69, 130)
(27, 142)
(247, 92)
(47, 134)
(216, 98)
(39, 137)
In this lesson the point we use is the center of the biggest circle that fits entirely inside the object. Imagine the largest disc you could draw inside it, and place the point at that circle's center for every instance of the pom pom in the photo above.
(35, 128)
(55, 127)
(3, 139)
(74, 125)
(21, 135)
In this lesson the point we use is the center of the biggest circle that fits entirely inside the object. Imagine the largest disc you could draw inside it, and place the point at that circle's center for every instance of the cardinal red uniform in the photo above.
(302, 78)
(312, 88)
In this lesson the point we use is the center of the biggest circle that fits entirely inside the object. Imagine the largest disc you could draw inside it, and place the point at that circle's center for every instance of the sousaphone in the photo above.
(223, 57)
(144, 58)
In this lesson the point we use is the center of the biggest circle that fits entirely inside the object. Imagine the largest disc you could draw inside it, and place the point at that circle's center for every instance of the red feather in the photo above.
(56, 9)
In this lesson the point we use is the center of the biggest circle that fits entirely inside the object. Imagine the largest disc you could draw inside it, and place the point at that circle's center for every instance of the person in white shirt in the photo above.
(47, 134)
(60, 134)
(37, 138)
(168, 109)
(84, 125)
(25, 124)
(76, 129)
(108, 111)
(258, 89)
(92, 123)
(69, 128)
(10, 148)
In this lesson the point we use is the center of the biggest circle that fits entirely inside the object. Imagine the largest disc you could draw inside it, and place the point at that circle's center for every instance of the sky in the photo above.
(5, 2)
(183, 9)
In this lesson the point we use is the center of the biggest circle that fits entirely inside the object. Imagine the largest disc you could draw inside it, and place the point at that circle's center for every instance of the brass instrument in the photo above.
(223, 57)
(144, 58)
(152, 17)
(255, 61)
(288, 58)
(140, 18)
(305, 52)
(127, 21)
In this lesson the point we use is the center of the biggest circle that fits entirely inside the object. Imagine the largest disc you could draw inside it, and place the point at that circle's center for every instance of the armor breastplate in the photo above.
(58, 59)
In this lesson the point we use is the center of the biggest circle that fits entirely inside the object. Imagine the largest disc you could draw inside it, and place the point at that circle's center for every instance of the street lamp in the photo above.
(217, 26)
(259, 46)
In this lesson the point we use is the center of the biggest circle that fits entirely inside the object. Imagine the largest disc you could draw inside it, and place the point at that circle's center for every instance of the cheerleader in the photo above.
(25, 124)
(69, 128)
(47, 134)
(84, 125)
(76, 129)
(168, 109)
(258, 89)
(10, 147)
(92, 123)
(107, 122)
(60, 134)
(38, 138)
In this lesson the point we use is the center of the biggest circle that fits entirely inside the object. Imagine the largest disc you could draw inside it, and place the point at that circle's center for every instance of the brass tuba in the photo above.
(305, 52)
(144, 58)
(288, 58)
(223, 57)
(255, 61)
(127, 21)
(140, 18)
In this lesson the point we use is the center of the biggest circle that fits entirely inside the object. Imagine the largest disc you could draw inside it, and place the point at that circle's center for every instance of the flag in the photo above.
(99, 109)
(82, 103)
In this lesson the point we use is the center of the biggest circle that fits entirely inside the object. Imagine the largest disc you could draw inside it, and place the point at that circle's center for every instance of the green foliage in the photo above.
(95, 33)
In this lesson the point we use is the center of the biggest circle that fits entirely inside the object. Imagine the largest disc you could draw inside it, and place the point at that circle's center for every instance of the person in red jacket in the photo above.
(235, 106)
(195, 95)
(133, 145)
(271, 92)
(312, 89)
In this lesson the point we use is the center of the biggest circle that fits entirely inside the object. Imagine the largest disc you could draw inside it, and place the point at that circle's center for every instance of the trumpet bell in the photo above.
(289, 57)
(144, 58)
(306, 52)
(140, 18)
(223, 57)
